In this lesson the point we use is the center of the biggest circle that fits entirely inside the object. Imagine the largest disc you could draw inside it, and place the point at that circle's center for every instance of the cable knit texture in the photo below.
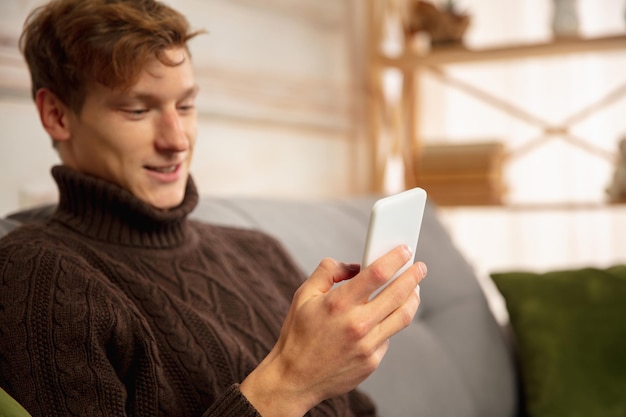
(115, 308)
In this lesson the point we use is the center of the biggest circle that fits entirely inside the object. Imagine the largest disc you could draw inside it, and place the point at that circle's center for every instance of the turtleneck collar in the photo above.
(109, 213)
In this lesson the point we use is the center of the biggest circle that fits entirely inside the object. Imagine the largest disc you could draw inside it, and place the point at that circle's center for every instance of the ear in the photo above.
(53, 114)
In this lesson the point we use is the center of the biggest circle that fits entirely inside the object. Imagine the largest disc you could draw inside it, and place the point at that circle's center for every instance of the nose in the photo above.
(171, 135)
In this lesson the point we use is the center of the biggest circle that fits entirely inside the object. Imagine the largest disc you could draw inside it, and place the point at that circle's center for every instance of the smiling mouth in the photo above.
(163, 170)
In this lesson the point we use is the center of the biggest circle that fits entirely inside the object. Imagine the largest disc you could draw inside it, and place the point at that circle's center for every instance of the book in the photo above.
(462, 174)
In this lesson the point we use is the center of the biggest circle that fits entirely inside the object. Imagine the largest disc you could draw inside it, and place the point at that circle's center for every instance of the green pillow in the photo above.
(9, 407)
(570, 334)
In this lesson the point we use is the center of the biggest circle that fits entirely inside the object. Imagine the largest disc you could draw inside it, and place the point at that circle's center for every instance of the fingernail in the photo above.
(417, 290)
(422, 268)
(353, 267)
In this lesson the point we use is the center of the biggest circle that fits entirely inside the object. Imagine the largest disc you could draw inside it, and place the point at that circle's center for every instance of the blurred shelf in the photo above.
(541, 207)
(460, 55)
(395, 123)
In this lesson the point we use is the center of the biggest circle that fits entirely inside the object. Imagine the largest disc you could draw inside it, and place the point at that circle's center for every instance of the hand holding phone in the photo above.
(394, 220)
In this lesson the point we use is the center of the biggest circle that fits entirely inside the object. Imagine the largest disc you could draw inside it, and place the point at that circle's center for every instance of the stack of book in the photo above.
(462, 173)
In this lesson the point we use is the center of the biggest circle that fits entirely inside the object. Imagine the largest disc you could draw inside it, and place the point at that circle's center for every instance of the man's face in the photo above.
(143, 138)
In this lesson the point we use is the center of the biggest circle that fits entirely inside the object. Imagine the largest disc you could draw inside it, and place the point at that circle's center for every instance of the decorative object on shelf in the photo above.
(466, 174)
(565, 19)
(617, 189)
(444, 26)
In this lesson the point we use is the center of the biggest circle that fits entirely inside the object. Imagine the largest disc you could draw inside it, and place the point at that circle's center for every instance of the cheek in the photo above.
(191, 130)
(134, 139)
(191, 126)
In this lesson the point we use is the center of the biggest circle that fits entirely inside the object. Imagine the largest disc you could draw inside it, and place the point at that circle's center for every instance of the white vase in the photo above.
(565, 18)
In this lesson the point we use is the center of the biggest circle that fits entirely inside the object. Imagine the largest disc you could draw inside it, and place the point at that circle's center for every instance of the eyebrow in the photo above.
(150, 97)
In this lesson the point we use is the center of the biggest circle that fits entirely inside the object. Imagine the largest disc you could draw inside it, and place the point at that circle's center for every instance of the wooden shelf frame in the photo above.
(395, 126)
(461, 55)
(579, 206)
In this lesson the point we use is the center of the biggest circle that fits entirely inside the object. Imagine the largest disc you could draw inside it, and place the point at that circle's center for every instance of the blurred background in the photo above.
(278, 91)
(509, 113)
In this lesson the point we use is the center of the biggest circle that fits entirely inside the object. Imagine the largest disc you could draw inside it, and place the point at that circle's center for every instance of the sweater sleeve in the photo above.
(70, 345)
(232, 404)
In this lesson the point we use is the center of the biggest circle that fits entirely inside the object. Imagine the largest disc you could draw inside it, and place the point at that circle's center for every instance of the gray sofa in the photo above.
(453, 361)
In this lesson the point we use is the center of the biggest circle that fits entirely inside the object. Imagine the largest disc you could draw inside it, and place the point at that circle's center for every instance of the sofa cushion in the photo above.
(453, 360)
(6, 225)
(571, 336)
(309, 230)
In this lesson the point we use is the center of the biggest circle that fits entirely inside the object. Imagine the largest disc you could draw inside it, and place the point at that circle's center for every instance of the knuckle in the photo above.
(378, 274)
(357, 329)
(371, 364)
(363, 351)
(335, 306)
(405, 317)
(407, 313)
(370, 358)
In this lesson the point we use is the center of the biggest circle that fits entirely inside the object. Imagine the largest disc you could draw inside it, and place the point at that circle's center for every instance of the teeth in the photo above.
(165, 170)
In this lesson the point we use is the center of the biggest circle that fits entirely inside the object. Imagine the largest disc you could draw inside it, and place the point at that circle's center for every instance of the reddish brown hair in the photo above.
(70, 44)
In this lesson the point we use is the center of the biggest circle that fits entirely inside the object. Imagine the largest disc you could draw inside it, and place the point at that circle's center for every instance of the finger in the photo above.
(327, 273)
(396, 293)
(380, 351)
(399, 319)
(377, 274)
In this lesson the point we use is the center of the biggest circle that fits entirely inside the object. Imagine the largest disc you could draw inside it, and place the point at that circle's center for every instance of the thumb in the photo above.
(327, 273)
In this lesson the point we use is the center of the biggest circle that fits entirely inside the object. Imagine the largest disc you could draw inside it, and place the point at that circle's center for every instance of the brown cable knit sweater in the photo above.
(115, 308)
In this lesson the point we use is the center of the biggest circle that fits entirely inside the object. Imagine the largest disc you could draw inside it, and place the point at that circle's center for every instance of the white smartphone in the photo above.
(394, 220)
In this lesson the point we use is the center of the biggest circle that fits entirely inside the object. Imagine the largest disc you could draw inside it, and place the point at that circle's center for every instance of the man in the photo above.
(119, 305)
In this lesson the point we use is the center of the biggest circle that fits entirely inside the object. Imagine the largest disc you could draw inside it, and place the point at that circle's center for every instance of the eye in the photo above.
(136, 112)
(186, 107)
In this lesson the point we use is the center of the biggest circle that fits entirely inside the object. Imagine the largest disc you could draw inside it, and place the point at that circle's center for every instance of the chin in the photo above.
(169, 203)
(167, 199)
